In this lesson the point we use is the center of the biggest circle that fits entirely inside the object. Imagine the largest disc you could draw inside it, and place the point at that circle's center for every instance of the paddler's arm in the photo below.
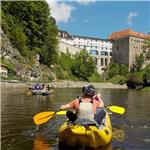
(101, 103)
(67, 106)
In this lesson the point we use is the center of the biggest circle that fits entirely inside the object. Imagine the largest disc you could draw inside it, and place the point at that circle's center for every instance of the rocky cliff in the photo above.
(23, 68)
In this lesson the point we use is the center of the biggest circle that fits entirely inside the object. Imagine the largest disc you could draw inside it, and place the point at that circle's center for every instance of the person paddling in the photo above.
(85, 106)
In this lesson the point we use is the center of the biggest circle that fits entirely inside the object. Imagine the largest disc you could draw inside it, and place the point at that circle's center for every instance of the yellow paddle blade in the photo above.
(117, 109)
(43, 117)
(61, 112)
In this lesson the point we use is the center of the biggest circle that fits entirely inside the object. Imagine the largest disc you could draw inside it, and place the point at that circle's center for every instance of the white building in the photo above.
(3, 71)
(100, 49)
(65, 37)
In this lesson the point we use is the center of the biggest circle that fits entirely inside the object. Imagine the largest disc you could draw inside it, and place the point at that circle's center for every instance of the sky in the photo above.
(95, 18)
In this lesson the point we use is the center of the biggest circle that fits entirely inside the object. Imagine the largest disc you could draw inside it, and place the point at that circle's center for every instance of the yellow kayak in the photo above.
(89, 136)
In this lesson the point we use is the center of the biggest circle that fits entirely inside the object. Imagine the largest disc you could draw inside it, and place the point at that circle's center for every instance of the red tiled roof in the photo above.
(127, 32)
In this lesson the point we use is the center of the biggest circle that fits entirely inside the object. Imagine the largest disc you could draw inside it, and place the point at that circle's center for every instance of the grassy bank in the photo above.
(146, 89)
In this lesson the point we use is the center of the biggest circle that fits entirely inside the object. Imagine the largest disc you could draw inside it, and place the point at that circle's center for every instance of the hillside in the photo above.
(29, 40)
(20, 66)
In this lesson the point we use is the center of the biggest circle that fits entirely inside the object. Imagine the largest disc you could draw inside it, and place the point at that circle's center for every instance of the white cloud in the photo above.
(60, 11)
(130, 16)
(85, 2)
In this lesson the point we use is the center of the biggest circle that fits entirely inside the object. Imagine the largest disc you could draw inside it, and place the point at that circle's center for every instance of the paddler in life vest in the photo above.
(85, 106)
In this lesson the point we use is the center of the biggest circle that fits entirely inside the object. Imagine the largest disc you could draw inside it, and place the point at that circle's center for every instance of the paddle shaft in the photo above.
(43, 117)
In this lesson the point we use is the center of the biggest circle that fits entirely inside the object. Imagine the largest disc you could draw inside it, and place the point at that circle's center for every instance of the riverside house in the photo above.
(3, 71)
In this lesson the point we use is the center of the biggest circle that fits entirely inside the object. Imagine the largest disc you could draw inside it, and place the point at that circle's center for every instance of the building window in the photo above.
(95, 60)
(102, 62)
(94, 52)
(103, 53)
(106, 62)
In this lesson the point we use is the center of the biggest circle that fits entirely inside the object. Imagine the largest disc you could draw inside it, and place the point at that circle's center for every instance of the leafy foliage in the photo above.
(116, 69)
(78, 67)
(135, 79)
(146, 75)
(118, 79)
(65, 61)
(30, 28)
(83, 66)
(95, 78)
(139, 62)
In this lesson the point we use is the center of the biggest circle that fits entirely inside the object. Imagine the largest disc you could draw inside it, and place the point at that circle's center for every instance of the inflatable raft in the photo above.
(89, 135)
(40, 92)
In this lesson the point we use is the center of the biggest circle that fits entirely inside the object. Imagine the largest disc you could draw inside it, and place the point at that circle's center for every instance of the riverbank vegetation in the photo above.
(79, 67)
(137, 78)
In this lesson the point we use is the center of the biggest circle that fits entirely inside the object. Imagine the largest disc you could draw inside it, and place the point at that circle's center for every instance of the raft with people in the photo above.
(41, 89)
(40, 92)
(85, 132)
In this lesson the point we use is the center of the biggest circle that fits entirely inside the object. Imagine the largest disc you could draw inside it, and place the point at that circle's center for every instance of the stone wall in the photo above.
(135, 48)
(120, 51)
(127, 48)
(64, 47)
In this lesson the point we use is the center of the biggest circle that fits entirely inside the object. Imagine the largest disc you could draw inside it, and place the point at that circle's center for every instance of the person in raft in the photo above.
(89, 106)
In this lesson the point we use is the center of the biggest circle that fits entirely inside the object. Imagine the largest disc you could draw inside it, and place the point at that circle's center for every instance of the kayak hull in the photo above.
(89, 136)
(40, 92)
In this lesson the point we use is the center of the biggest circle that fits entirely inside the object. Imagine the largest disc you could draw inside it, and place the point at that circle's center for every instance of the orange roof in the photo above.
(127, 32)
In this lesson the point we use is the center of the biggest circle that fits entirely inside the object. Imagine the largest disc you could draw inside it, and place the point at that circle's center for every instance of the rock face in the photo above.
(21, 66)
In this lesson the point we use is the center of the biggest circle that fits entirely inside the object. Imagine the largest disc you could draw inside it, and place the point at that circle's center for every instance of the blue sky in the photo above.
(100, 18)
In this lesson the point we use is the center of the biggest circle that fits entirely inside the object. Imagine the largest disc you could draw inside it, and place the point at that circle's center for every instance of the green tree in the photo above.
(135, 79)
(139, 62)
(65, 61)
(146, 75)
(31, 28)
(115, 69)
(83, 66)
(20, 40)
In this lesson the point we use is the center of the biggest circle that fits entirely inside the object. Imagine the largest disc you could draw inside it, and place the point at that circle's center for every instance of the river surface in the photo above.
(131, 131)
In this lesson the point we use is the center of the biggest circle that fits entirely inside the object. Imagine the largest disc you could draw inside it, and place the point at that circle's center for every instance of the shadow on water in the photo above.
(63, 147)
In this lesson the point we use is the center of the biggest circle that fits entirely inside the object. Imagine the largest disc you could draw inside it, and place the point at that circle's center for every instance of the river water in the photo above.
(131, 131)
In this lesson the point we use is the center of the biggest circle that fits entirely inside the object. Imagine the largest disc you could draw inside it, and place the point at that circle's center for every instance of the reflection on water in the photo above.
(41, 144)
(18, 131)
